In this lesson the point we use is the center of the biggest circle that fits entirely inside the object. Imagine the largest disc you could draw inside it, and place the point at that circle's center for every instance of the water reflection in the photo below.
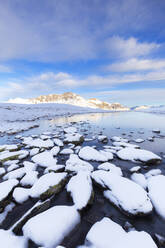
(132, 120)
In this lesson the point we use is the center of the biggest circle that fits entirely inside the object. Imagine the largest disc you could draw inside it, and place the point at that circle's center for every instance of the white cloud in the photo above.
(48, 83)
(75, 30)
(135, 64)
(131, 47)
(146, 96)
(112, 80)
(49, 31)
(5, 69)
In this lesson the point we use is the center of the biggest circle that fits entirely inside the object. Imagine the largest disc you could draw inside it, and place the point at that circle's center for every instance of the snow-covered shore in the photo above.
(19, 117)
(153, 109)
(30, 112)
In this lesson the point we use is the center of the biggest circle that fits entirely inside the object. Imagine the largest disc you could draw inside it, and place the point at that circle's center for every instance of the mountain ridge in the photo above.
(73, 99)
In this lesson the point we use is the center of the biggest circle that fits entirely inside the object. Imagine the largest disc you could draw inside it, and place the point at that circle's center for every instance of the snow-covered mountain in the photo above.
(73, 99)
(154, 109)
(142, 107)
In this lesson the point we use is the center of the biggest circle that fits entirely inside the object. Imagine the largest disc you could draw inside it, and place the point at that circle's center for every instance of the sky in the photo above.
(110, 49)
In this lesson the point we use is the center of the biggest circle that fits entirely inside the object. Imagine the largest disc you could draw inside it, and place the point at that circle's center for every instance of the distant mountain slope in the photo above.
(142, 107)
(73, 99)
(154, 109)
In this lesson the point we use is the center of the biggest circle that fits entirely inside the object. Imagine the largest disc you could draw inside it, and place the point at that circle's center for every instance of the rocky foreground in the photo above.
(37, 169)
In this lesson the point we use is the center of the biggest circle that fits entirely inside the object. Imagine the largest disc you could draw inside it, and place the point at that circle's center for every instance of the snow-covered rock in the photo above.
(34, 151)
(44, 137)
(39, 143)
(7, 155)
(139, 179)
(156, 130)
(44, 187)
(156, 185)
(10, 162)
(55, 168)
(44, 159)
(58, 142)
(2, 171)
(6, 187)
(75, 164)
(43, 231)
(18, 173)
(139, 140)
(66, 151)
(70, 130)
(138, 155)
(20, 194)
(10, 148)
(119, 191)
(103, 138)
(110, 167)
(51, 181)
(74, 138)
(90, 154)
(153, 172)
(106, 234)
(80, 187)
(6, 210)
(12, 167)
(125, 145)
(135, 169)
(9, 240)
(30, 178)
(118, 139)
(107, 154)
(55, 150)
(29, 166)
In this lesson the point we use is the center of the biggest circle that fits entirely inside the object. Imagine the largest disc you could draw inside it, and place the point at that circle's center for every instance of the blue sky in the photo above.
(110, 49)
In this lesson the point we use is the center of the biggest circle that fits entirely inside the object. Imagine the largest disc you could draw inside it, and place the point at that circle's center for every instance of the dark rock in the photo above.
(160, 239)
